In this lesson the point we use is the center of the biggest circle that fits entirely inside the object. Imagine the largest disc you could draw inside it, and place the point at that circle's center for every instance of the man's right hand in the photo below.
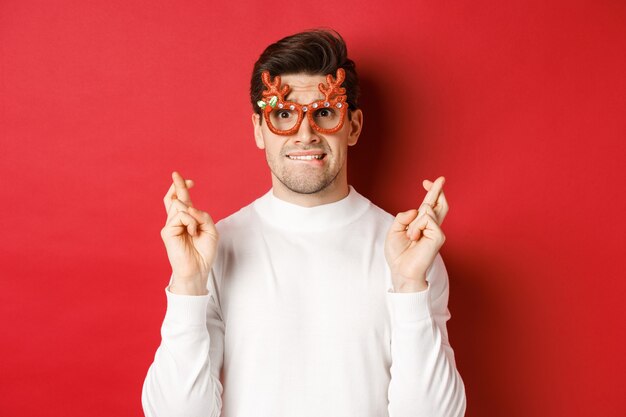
(190, 239)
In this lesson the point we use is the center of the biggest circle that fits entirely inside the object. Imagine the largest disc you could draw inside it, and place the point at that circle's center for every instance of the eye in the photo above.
(284, 114)
(325, 113)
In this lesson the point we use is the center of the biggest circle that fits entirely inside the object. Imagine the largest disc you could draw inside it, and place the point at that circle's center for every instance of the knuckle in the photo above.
(177, 217)
(179, 206)
(187, 218)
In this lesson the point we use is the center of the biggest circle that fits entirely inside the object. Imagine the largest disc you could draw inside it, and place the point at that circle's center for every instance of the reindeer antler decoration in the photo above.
(334, 88)
(274, 90)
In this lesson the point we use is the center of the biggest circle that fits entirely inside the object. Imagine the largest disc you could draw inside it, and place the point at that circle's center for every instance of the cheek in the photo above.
(339, 147)
(273, 148)
(271, 143)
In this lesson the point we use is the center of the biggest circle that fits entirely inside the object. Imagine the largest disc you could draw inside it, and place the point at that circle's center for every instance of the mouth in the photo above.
(314, 157)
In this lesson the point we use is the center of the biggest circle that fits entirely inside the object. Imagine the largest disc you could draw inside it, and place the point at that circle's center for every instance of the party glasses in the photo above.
(285, 117)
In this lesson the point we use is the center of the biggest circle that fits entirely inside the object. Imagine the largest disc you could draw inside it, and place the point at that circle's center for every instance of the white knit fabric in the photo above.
(301, 321)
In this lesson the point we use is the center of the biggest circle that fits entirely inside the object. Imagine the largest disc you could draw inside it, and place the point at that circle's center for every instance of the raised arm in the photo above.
(184, 380)
(424, 378)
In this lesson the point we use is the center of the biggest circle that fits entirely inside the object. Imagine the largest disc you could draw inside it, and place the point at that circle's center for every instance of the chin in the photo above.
(304, 180)
(306, 184)
(306, 187)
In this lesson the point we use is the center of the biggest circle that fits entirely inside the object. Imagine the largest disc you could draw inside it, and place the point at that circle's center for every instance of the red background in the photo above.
(519, 104)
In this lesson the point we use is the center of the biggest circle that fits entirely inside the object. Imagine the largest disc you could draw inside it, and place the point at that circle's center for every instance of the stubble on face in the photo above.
(300, 177)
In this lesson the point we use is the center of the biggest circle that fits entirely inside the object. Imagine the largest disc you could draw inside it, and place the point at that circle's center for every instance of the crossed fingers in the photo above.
(435, 199)
(179, 190)
(180, 211)
(434, 206)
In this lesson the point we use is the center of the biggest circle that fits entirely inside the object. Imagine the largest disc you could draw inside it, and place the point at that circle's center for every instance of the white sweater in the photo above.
(301, 321)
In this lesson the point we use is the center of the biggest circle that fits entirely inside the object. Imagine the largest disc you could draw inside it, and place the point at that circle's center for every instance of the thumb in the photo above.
(402, 220)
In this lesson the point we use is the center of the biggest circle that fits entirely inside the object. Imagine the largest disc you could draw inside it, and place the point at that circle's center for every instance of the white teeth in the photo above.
(305, 157)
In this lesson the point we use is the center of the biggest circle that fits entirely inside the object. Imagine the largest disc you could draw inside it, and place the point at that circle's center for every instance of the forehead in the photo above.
(303, 87)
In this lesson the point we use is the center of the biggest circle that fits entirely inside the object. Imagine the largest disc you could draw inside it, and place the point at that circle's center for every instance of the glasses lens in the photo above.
(283, 119)
(327, 118)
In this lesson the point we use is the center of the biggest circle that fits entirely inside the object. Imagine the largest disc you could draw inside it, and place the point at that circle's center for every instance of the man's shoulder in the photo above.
(239, 218)
(382, 214)
(377, 212)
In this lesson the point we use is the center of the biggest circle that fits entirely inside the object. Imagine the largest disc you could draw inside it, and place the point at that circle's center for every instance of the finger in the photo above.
(427, 184)
(402, 220)
(182, 193)
(426, 227)
(180, 223)
(413, 232)
(442, 208)
(171, 192)
(438, 212)
(433, 193)
(167, 200)
(175, 207)
(205, 222)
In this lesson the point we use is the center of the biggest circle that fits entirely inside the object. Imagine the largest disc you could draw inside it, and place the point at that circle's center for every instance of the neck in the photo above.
(335, 191)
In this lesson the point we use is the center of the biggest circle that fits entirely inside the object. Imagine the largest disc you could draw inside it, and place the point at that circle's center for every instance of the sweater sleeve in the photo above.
(424, 378)
(184, 378)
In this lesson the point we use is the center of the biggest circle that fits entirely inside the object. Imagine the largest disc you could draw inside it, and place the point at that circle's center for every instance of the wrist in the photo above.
(187, 288)
(404, 285)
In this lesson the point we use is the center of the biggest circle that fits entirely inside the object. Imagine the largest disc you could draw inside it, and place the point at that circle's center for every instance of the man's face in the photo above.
(307, 162)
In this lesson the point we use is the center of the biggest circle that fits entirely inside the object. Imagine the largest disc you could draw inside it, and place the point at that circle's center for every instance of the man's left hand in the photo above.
(414, 240)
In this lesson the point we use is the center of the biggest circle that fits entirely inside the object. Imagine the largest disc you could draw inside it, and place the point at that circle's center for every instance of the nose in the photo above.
(306, 134)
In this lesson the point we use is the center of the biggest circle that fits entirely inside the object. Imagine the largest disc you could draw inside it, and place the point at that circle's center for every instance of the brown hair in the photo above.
(314, 52)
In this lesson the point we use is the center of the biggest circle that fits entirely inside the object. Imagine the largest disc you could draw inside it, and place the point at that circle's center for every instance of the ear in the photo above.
(258, 132)
(356, 124)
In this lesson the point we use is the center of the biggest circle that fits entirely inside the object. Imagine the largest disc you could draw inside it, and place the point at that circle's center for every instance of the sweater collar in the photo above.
(291, 216)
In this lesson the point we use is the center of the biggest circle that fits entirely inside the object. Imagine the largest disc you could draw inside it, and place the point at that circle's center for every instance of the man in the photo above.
(314, 302)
